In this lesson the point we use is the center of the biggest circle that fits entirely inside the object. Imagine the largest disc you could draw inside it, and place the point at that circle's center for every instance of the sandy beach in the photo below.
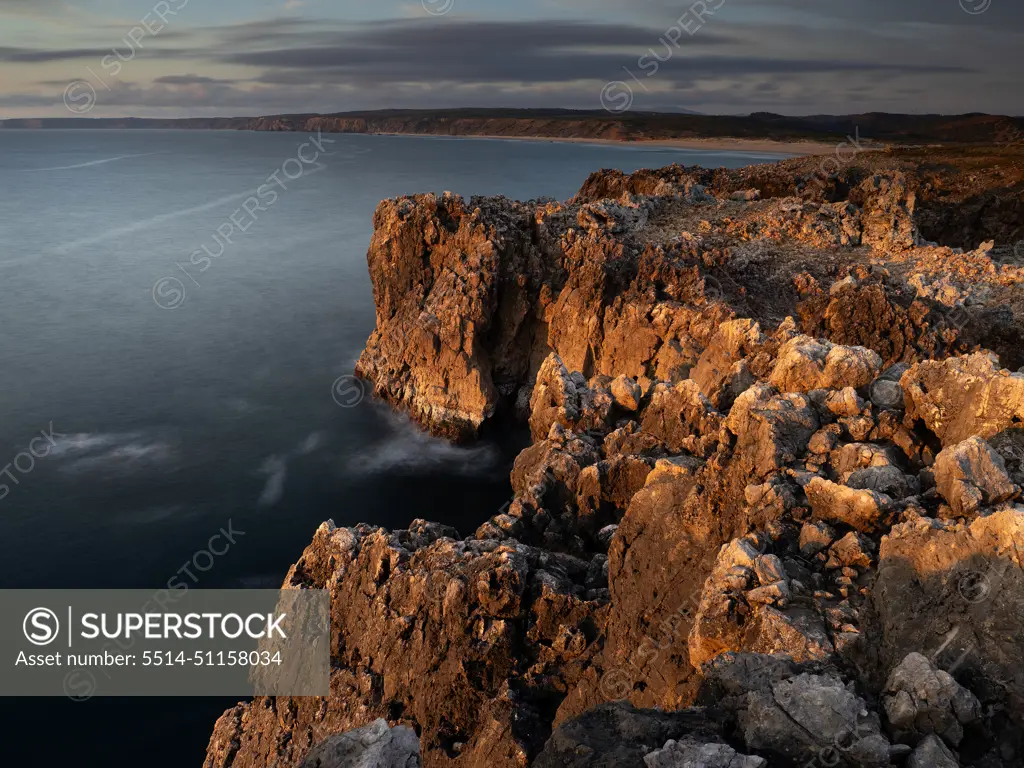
(795, 148)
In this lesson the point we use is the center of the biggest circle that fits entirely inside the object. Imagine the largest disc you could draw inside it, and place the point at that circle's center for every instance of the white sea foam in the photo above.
(85, 442)
(310, 444)
(124, 451)
(91, 163)
(276, 468)
(113, 453)
(408, 448)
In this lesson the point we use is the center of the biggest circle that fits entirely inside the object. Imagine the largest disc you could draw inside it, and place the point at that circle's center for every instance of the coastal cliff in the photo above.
(772, 508)
(592, 125)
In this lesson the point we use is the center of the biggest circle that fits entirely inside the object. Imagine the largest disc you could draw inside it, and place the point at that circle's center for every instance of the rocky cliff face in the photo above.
(472, 297)
(976, 129)
(773, 491)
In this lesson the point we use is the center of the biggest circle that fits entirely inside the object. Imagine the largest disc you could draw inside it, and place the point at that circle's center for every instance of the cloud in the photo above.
(806, 58)
(538, 52)
(190, 80)
(36, 56)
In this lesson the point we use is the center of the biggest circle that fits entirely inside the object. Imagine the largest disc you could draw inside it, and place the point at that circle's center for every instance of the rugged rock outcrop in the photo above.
(960, 398)
(375, 746)
(971, 475)
(921, 700)
(772, 500)
(473, 297)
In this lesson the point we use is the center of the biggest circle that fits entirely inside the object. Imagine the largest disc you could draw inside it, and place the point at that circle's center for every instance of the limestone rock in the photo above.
(716, 371)
(375, 746)
(636, 326)
(621, 736)
(606, 488)
(564, 398)
(921, 699)
(425, 354)
(887, 480)
(971, 475)
(869, 315)
(888, 217)
(799, 716)
(805, 364)
(865, 511)
(547, 474)
(476, 603)
(815, 537)
(746, 195)
(854, 550)
(771, 429)
(854, 456)
(885, 391)
(956, 595)
(688, 753)
(681, 417)
(626, 393)
(630, 440)
(745, 607)
(674, 468)
(964, 397)
(844, 402)
(932, 753)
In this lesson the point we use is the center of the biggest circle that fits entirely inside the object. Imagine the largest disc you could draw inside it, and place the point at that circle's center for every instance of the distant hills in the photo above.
(592, 124)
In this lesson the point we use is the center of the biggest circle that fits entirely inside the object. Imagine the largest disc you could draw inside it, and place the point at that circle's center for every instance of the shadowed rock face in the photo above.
(785, 541)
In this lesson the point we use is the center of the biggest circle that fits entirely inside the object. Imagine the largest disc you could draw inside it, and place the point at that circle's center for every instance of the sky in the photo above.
(180, 58)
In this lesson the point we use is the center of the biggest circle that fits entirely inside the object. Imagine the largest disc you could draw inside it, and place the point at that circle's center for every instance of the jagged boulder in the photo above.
(815, 537)
(864, 510)
(375, 746)
(682, 418)
(800, 716)
(796, 713)
(888, 481)
(970, 475)
(547, 473)
(626, 393)
(621, 736)
(964, 397)
(721, 373)
(887, 212)
(745, 606)
(564, 398)
(689, 753)
(806, 364)
(932, 753)
(921, 699)
(854, 550)
(771, 430)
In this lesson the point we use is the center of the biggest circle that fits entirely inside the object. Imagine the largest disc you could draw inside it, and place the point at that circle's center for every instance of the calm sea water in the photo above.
(186, 391)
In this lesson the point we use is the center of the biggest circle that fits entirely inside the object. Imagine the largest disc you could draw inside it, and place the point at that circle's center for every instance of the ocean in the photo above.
(180, 313)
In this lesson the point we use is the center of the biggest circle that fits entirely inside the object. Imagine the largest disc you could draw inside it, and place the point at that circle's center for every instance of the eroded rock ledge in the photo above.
(471, 297)
(771, 514)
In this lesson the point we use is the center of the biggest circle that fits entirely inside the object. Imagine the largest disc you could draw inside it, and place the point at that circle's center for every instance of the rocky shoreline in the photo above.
(772, 510)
